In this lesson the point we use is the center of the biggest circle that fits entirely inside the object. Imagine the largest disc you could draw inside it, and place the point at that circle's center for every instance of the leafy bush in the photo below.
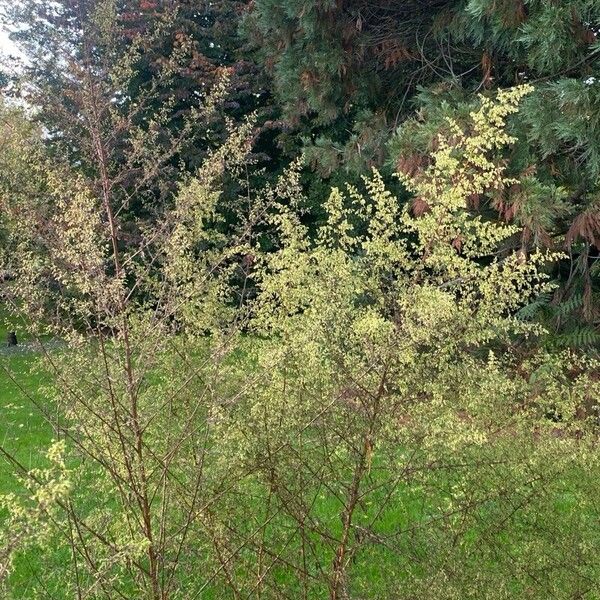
(372, 424)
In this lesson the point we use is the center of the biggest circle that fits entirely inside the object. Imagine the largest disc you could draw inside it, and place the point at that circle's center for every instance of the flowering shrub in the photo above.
(372, 424)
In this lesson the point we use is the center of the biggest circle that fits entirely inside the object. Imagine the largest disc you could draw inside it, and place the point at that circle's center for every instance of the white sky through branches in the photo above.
(6, 46)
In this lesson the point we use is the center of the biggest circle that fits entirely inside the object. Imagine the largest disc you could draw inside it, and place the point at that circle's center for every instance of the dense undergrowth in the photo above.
(374, 421)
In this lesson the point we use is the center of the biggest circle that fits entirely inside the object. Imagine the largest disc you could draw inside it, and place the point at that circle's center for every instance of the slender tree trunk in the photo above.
(338, 567)
(362, 467)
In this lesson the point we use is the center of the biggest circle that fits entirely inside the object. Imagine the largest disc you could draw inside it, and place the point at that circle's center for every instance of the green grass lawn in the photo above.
(23, 431)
